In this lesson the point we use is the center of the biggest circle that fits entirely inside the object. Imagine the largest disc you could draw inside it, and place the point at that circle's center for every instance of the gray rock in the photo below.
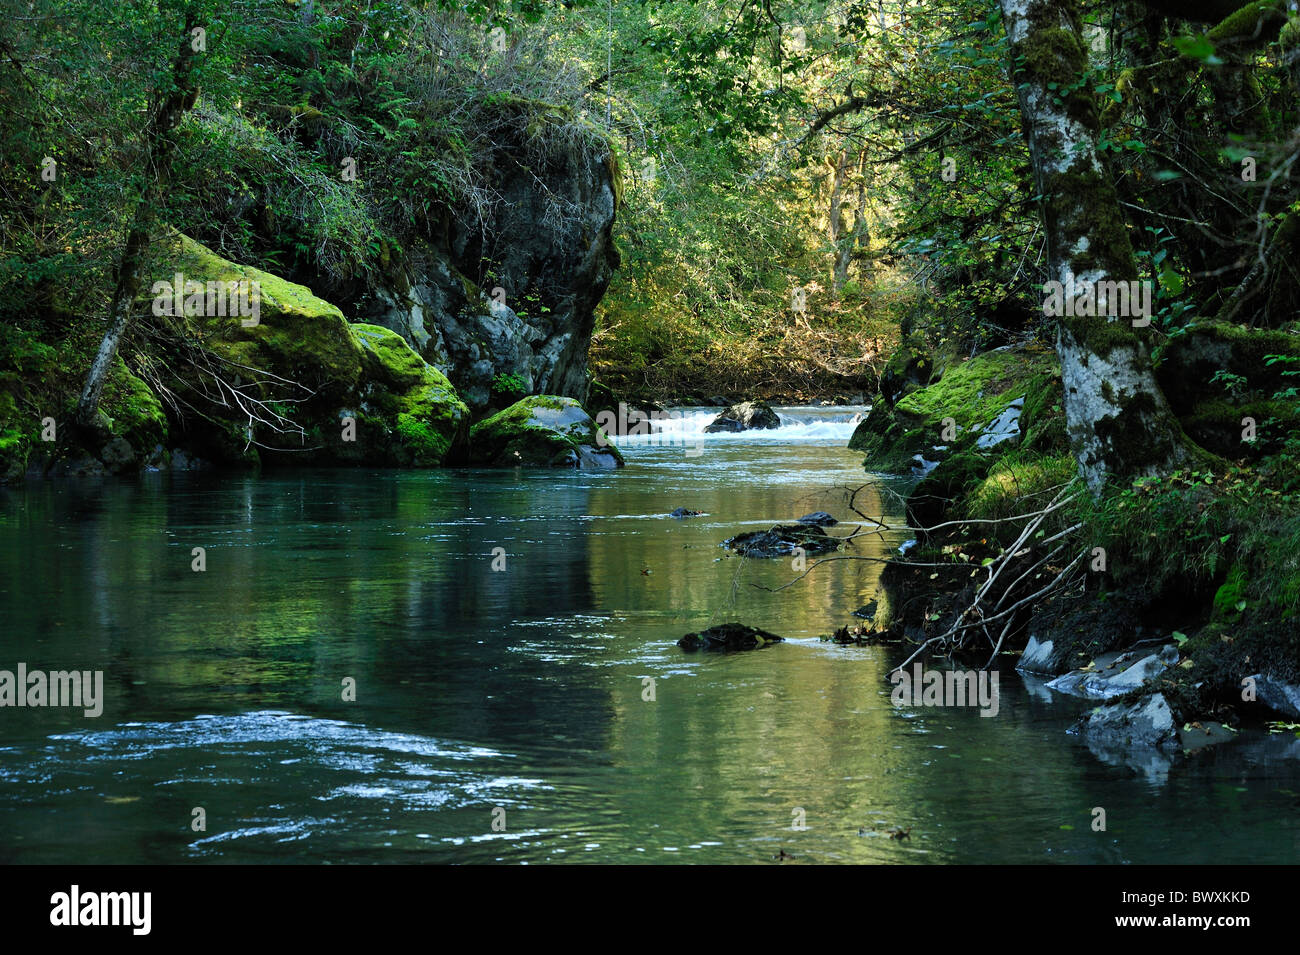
(748, 416)
(1114, 674)
(1276, 695)
(1147, 723)
(1005, 427)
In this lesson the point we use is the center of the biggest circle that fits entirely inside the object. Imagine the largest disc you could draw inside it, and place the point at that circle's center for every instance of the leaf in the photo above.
(1179, 637)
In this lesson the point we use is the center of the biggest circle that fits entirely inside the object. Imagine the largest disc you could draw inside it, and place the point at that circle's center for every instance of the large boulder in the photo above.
(321, 390)
(747, 416)
(541, 431)
(504, 304)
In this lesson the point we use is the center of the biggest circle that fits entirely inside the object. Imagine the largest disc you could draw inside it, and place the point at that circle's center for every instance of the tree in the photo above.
(1118, 420)
(169, 105)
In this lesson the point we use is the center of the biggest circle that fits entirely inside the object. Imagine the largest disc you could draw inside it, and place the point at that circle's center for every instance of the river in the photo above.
(503, 713)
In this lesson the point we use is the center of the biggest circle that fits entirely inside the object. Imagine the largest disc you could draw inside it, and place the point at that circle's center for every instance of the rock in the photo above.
(1276, 695)
(818, 518)
(685, 512)
(748, 416)
(541, 431)
(117, 455)
(1114, 674)
(1005, 427)
(729, 636)
(547, 245)
(908, 369)
(1212, 416)
(929, 502)
(1042, 656)
(1147, 723)
(781, 541)
(972, 400)
(402, 411)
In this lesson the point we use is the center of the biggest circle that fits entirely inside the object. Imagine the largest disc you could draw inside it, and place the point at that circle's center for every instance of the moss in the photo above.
(513, 436)
(1257, 22)
(1232, 594)
(1082, 200)
(298, 335)
(974, 392)
(1017, 480)
(134, 411)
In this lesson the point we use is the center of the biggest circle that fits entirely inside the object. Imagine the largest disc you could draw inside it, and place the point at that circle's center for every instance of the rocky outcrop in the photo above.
(1216, 375)
(729, 636)
(292, 382)
(541, 431)
(504, 304)
(1005, 396)
(747, 416)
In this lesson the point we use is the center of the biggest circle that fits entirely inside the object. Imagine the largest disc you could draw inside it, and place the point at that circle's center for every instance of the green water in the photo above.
(517, 695)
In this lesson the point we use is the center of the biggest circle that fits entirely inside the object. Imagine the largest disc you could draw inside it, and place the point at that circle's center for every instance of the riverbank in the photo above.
(1171, 599)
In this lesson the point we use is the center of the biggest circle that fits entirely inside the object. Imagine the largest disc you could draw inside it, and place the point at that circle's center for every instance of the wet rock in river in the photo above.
(685, 512)
(728, 636)
(819, 518)
(781, 541)
(748, 416)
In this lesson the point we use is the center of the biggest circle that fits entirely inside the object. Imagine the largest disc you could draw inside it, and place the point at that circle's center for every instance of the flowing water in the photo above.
(502, 714)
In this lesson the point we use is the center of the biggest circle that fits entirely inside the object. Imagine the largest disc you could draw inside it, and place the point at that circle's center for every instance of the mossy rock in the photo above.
(1213, 415)
(933, 498)
(541, 431)
(133, 410)
(404, 411)
(910, 367)
(972, 393)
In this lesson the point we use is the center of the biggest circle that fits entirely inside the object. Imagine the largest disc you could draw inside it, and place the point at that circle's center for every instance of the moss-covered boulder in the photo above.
(541, 431)
(989, 396)
(1228, 390)
(319, 390)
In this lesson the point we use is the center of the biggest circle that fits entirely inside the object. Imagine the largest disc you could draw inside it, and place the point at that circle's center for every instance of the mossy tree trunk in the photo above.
(159, 144)
(1118, 419)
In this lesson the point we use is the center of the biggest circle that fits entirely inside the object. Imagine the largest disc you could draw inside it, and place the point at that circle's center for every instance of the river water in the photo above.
(504, 714)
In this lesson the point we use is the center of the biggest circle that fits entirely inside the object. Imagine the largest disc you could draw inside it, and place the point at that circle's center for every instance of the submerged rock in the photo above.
(780, 541)
(729, 636)
(541, 431)
(748, 416)
(685, 512)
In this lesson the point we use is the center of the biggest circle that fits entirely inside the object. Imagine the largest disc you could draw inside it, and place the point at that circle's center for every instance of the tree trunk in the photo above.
(1118, 420)
(170, 106)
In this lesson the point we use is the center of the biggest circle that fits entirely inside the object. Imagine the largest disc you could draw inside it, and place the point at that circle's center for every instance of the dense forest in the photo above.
(1054, 245)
